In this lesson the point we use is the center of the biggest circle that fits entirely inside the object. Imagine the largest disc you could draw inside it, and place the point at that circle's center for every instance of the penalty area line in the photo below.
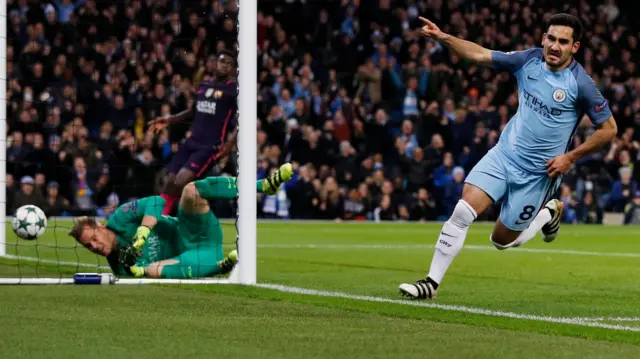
(450, 308)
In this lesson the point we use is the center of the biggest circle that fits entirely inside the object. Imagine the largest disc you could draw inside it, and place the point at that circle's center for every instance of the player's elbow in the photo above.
(482, 57)
(614, 129)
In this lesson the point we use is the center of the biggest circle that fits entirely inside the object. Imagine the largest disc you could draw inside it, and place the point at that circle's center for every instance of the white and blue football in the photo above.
(29, 222)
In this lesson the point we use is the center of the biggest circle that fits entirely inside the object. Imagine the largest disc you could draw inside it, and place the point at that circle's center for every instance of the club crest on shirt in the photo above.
(559, 95)
(217, 95)
(130, 206)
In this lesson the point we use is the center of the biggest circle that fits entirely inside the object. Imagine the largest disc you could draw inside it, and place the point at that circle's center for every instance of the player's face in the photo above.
(97, 240)
(558, 46)
(225, 66)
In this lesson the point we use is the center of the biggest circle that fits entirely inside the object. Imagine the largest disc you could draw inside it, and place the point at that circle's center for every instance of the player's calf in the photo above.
(503, 237)
(448, 246)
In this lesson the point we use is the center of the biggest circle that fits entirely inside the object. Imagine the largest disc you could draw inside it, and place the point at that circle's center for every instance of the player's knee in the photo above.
(463, 215)
(476, 198)
(190, 192)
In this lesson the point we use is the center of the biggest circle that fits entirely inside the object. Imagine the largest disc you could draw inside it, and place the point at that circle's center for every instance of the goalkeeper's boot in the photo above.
(271, 184)
(422, 289)
(228, 262)
(550, 230)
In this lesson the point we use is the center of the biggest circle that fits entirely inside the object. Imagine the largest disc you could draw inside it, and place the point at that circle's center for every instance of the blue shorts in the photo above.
(523, 193)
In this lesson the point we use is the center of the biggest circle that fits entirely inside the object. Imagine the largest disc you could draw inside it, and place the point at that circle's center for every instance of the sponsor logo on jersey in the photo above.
(208, 93)
(540, 107)
(208, 107)
(559, 95)
(153, 247)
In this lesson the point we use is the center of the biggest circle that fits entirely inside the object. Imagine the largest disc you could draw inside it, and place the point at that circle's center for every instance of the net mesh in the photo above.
(82, 84)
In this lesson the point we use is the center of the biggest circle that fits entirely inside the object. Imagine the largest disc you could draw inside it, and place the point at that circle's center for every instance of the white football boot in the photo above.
(422, 289)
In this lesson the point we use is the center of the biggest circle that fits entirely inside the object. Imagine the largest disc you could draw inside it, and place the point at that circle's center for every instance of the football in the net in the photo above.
(29, 222)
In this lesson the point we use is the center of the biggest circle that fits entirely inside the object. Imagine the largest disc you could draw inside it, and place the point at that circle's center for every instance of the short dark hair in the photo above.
(79, 225)
(230, 54)
(569, 20)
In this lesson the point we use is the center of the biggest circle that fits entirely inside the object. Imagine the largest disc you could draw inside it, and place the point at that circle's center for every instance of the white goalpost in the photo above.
(245, 272)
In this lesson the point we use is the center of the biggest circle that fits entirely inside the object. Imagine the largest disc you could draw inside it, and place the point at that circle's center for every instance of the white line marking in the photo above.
(611, 319)
(431, 246)
(48, 261)
(453, 308)
(378, 229)
(583, 321)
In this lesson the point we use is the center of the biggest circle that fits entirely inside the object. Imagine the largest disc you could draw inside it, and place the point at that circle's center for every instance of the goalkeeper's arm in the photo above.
(151, 209)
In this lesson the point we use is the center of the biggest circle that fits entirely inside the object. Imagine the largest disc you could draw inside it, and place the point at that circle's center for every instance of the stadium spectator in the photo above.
(632, 211)
(588, 211)
(27, 194)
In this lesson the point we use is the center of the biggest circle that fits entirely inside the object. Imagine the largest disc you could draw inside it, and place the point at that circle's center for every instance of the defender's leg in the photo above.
(176, 178)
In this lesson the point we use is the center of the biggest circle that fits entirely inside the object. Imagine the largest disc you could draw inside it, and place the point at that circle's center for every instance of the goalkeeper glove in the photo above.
(141, 236)
(128, 256)
(137, 271)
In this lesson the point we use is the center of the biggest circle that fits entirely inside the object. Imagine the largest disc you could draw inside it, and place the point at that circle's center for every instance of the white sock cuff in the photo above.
(502, 247)
(468, 206)
(463, 215)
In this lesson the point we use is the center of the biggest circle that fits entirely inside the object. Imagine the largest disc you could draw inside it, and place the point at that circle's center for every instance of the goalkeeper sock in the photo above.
(220, 187)
(170, 201)
(217, 188)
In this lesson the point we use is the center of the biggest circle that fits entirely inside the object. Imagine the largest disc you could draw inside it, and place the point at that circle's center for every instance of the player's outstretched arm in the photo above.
(160, 123)
(465, 49)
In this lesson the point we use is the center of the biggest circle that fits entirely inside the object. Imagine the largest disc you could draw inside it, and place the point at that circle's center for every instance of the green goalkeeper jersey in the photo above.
(162, 241)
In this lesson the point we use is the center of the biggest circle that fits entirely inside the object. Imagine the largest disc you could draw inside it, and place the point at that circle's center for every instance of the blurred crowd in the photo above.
(380, 123)
(85, 76)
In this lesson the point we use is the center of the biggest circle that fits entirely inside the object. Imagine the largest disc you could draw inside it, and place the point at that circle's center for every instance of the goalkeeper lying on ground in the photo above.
(139, 241)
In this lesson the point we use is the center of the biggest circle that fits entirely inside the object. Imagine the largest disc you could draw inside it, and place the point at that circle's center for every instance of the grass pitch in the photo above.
(575, 298)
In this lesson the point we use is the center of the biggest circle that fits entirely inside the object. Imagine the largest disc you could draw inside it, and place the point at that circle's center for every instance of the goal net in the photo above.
(80, 83)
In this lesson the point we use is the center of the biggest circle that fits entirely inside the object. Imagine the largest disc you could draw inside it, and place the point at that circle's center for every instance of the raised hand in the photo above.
(429, 29)
(158, 125)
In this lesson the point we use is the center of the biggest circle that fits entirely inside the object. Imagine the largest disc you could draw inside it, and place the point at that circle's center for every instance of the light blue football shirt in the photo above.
(551, 105)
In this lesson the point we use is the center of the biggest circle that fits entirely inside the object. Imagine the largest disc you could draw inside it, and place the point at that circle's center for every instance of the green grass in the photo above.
(592, 278)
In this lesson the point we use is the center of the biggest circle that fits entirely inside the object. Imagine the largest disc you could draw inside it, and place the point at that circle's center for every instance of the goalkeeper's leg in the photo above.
(226, 187)
(196, 263)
